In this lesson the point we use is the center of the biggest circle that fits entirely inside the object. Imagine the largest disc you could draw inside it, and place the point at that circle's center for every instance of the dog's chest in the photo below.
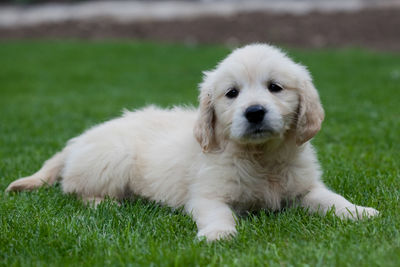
(260, 184)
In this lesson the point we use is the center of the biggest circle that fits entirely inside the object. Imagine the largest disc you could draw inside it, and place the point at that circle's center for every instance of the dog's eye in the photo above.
(232, 93)
(274, 88)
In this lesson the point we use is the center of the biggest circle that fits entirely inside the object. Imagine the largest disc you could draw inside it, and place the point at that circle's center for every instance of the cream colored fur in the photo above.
(203, 159)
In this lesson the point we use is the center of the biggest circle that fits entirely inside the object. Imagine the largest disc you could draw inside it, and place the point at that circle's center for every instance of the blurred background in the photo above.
(373, 24)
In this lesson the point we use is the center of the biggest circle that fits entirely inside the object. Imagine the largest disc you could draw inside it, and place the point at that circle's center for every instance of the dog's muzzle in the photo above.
(258, 128)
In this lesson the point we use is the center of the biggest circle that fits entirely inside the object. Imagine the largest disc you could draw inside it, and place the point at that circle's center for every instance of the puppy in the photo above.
(246, 147)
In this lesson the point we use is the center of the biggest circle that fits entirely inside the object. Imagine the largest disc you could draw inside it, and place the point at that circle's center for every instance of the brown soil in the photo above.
(374, 28)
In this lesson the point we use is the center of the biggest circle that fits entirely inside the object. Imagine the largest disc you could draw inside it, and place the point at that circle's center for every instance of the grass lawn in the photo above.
(52, 91)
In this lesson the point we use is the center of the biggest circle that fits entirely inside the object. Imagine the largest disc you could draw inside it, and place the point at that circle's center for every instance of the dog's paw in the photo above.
(26, 183)
(357, 212)
(212, 233)
(92, 202)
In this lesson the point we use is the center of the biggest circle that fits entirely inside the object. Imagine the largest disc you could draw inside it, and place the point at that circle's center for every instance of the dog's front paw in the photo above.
(217, 232)
(357, 212)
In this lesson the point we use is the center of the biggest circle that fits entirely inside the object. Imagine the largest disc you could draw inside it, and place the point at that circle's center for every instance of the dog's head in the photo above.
(255, 95)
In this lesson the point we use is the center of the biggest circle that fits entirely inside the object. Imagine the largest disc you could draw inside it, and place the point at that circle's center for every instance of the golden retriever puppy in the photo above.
(246, 147)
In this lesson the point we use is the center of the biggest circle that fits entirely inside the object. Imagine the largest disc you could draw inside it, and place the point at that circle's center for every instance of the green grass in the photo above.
(52, 91)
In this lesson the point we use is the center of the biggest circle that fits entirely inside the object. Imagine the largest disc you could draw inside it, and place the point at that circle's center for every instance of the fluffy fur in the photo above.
(211, 160)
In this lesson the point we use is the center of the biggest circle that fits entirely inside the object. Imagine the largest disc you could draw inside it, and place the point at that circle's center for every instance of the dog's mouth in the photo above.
(258, 133)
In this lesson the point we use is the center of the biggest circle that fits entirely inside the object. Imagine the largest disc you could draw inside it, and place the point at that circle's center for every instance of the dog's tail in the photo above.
(47, 175)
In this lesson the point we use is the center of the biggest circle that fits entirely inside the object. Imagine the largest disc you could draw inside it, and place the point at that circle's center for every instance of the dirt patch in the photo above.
(371, 28)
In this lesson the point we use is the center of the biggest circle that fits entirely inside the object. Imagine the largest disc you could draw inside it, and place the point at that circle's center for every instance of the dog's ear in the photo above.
(310, 113)
(204, 130)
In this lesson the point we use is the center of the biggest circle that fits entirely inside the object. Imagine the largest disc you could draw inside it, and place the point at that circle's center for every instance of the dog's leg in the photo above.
(321, 200)
(48, 174)
(214, 219)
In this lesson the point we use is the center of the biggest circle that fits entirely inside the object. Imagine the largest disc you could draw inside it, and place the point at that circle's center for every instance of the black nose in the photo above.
(255, 114)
